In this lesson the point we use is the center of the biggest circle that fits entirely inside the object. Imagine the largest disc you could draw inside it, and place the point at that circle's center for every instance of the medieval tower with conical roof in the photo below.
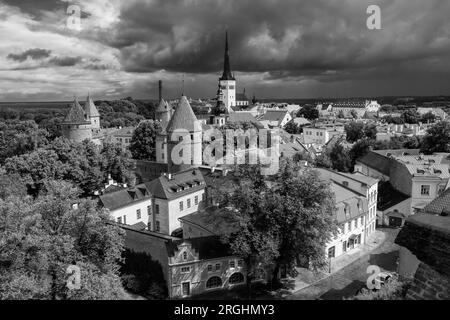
(179, 144)
(81, 123)
(227, 82)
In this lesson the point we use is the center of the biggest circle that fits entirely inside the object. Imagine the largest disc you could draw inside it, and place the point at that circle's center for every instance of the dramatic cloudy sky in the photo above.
(279, 48)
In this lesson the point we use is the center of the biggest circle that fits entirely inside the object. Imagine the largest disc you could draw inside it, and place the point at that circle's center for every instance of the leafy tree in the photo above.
(309, 112)
(437, 138)
(358, 130)
(293, 128)
(299, 156)
(81, 163)
(19, 137)
(354, 114)
(303, 220)
(410, 116)
(354, 131)
(359, 149)
(36, 167)
(143, 142)
(340, 158)
(370, 131)
(323, 161)
(118, 163)
(394, 120)
(428, 117)
(12, 185)
(254, 242)
(42, 237)
(277, 226)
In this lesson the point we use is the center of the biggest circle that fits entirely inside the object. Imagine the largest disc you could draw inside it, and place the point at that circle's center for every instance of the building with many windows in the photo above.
(362, 185)
(158, 204)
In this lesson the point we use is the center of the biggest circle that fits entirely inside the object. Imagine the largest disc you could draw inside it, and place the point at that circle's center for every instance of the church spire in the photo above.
(226, 62)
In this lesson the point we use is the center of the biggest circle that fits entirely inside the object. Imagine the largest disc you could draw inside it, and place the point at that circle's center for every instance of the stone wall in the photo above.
(428, 284)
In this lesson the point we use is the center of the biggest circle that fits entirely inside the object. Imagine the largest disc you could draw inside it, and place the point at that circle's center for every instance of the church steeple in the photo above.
(226, 62)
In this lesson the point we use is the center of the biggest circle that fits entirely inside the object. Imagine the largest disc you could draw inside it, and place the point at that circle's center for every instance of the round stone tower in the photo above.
(76, 126)
(184, 138)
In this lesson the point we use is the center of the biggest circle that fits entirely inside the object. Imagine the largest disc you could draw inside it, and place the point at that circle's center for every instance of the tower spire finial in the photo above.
(227, 75)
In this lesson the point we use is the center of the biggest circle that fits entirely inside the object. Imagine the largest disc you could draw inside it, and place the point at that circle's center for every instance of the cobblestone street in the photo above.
(348, 280)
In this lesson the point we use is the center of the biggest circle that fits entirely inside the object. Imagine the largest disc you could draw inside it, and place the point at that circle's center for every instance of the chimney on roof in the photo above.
(169, 176)
(160, 90)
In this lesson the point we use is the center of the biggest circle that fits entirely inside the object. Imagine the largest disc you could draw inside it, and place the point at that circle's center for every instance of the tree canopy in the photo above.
(437, 138)
(309, 112)
(42, 237)
(287, 218)
(358, 130)
(143, 142)
(82, 163)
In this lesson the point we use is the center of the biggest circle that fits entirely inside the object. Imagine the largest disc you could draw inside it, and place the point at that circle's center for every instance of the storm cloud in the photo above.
(287, 48)
(34, 54)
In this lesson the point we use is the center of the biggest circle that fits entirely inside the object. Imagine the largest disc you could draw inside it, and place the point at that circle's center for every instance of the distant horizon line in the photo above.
(259, 99)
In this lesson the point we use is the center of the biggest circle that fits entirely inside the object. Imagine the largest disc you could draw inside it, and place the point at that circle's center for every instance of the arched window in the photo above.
(236, 278)
(213, 282)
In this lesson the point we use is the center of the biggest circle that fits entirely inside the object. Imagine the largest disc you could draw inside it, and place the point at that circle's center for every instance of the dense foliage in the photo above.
(42, 237)
(277, 226)
(437, 138)
(309, 112)
(143, 141)
(83, 164)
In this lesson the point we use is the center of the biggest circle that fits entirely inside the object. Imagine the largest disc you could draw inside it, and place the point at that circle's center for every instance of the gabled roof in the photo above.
(439, 205)
(274, 115)
(376, 161)
(90, 109)
(183, 118)
(179, 184)
(124, 197)
(241, 97)
(243, 116)
(76, 114)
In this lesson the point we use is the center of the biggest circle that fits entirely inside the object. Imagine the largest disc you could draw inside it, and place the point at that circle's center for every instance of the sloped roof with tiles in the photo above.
(376, 161)
(125, 197)
(76, 114)
(440, 205)
(349, 204)
(176, 185)
(274, 115)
